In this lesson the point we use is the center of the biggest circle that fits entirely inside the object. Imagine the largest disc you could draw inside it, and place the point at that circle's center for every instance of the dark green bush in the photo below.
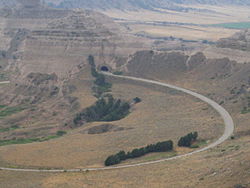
(137, 100)
(138, 152)
(61, 133)
(186, 141)
(105, 109)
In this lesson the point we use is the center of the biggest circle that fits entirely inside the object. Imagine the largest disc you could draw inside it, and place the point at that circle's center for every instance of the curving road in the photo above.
(5, 82)
(228, 121)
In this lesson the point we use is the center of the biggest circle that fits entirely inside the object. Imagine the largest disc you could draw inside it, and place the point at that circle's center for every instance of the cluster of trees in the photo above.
(121, 156)
(105, 109)
(186, 141)
(101, 85)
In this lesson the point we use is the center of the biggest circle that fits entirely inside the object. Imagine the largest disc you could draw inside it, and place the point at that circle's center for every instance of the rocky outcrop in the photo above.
(239, 41)
(153, 64)
(65, 40)
(228, 79)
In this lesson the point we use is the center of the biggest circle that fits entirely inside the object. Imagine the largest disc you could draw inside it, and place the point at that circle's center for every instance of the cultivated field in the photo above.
(192, 25)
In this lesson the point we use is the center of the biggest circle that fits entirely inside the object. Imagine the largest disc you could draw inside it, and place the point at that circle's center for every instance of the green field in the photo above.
(234, 25)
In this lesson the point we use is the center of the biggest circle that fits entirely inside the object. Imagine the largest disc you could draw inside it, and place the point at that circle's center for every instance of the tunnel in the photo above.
(104, 68)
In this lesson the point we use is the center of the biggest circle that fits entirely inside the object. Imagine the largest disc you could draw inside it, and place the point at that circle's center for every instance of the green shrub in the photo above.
(118, 73)
(112, 160)
(6, 111)
(30, 140)
(138, 152)
(13, 127)
(105, 109)
(61, 133)
(137, 100)
(186, 141)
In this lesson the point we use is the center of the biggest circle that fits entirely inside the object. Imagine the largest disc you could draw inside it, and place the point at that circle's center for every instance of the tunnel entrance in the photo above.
(104, 68)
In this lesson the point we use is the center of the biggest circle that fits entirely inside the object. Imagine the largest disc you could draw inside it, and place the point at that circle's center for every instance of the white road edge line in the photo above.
(228, 121)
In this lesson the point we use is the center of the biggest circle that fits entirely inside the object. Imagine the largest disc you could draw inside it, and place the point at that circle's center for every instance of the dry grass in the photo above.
(186, 32)
(217, 15)
(232, 54)
(160, 116)
(211, 169)
(222, 167)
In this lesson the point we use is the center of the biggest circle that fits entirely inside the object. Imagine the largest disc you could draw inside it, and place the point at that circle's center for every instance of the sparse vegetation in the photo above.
(101, 86)
(121, 156)
(246, 108)
(105, 109)
(14, 127)
(186, 141)
(6, 111)
(118, 72)
(3, 76)
(2, 106)
(61, 133)
(31, 140)
(18, 141)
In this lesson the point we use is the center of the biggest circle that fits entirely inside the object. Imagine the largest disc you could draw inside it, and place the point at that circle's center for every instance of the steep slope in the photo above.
(61, 39)
(221, 79)
(239, 41)
(45, 52)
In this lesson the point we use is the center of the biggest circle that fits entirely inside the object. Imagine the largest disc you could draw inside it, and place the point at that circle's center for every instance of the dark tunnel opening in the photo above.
(104, 68)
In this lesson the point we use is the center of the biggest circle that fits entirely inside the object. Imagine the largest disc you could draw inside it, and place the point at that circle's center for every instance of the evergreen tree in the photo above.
(91, 61)
(186, 141)
(105, 109)
(112, 160)
(159, 147)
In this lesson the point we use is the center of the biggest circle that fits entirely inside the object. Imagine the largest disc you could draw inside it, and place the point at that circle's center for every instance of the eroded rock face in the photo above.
(35, 88)
(239, 41)
(223, 80)
(47, 48)
(46, 40)
(149, 63)
(196, 60)
(59, 45)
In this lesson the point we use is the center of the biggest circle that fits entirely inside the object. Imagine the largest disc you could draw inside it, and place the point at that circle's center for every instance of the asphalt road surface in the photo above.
(5, 82)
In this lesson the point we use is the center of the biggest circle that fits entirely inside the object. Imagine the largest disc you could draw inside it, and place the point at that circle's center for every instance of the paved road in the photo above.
(5, 82)
(228, 121)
